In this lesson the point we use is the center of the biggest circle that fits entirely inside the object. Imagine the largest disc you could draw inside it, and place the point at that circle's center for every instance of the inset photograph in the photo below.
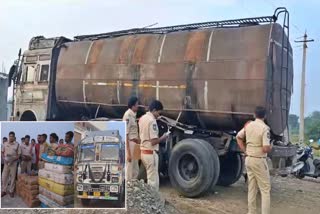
(37, 162)
(99, 164)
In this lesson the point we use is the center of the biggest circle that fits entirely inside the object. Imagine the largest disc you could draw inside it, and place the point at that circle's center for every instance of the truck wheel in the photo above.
(191, 167)
(216, 163)
(231, 167)
(85, 202)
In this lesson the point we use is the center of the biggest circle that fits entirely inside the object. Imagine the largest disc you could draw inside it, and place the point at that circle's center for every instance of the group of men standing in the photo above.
(253, 140)
(27, 154)
(146, 135)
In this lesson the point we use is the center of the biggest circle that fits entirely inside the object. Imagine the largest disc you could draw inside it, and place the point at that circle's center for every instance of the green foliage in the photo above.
(293, 124)
(312, 127)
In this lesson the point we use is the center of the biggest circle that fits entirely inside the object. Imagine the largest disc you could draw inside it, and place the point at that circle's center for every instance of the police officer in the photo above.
(4, 141)
(11, 152)
(26, 156)
(257, 135)
(130, 117)
(149, 135)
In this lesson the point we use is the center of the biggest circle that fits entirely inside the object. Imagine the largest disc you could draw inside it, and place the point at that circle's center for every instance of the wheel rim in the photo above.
(188, 167)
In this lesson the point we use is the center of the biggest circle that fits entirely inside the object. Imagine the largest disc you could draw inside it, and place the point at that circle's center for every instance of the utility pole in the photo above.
(303, 85)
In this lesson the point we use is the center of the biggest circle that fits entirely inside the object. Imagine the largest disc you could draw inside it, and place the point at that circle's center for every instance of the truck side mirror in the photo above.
(11, 73)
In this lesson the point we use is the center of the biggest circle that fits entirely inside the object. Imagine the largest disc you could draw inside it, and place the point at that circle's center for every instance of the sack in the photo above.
(51, 151)
(31, 180)
(21, 177)
(42, 205)
(56, 177)
(58, 168)
(59, 189)
(31, 187)
(50, 203)
(65, 150)
(32, 203)
(61, 200)
(58, 159)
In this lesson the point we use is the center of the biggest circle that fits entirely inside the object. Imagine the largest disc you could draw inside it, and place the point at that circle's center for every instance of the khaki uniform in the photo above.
(130, 117)
(257, 135)
(26, 164)
(149, 130)
(11, 151)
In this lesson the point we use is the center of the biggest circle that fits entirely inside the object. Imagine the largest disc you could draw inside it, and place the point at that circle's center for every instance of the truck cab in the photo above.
(100, 167)
(33, 78)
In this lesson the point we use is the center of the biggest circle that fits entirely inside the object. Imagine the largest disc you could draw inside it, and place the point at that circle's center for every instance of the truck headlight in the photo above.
(114, 188)
(80, 187)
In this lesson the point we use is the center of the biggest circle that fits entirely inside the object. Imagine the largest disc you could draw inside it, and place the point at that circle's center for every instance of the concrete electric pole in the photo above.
(303, 84)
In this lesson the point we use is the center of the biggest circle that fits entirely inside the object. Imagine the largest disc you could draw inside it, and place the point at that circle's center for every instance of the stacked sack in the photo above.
(56, 178)
(28, 189)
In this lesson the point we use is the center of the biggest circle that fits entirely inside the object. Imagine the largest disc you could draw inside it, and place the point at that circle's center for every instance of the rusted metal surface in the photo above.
(216, 77)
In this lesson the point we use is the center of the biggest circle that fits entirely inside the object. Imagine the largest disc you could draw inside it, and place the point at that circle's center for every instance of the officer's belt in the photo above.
(255, 156)
(149, 152)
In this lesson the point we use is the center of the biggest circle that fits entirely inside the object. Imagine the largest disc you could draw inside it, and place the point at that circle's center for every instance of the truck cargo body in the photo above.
(215, 77)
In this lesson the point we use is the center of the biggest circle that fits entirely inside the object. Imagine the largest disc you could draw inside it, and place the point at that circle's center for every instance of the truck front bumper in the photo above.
(99, 191)
(98, 195)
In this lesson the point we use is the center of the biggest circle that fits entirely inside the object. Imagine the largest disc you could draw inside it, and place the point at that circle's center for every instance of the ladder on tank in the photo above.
(284, 63)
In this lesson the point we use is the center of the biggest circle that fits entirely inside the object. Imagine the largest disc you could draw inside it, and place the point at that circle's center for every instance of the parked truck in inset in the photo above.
(100, 173)
(209, 76)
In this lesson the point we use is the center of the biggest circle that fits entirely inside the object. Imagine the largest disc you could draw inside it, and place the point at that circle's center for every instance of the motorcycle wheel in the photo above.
(299, 175)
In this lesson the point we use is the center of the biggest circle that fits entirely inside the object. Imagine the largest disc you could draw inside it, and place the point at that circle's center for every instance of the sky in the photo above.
(20, 20)
(35, 128)
(117, 125)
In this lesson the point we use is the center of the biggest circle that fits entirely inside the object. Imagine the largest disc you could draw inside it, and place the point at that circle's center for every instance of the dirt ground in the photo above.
(16, 202)
(288, 196)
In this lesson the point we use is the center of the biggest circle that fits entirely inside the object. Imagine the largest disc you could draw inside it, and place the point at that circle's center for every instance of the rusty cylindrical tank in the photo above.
(215, 77)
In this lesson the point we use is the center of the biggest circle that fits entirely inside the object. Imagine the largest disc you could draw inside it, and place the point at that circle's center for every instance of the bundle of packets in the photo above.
(28, 189)
(56, 182)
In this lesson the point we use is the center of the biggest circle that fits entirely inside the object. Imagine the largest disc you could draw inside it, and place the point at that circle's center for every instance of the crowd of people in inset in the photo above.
(27, 155)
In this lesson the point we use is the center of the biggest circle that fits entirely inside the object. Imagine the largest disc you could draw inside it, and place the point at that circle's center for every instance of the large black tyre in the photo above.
(85, 202)
(231, 167)
(216, 163)
(191, 167)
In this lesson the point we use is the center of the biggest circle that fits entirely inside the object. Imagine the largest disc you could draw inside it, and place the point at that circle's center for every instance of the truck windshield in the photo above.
(87, 152)
(109, 152)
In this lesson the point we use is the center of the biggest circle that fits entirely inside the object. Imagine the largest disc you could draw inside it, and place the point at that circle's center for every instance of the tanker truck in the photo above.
(209, 76)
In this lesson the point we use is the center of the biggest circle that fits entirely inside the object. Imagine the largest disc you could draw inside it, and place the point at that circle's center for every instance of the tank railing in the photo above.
(163, 30)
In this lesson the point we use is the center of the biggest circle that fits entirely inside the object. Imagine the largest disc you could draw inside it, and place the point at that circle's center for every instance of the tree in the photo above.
(312, 126)
(293, 122)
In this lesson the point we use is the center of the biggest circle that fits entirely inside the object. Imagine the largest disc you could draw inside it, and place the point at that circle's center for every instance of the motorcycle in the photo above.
(306, 165)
